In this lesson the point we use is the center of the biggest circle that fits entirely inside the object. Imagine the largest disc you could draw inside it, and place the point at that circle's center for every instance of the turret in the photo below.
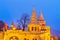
(32, 25)
(41, 21)
(12, 27)
(33, 17)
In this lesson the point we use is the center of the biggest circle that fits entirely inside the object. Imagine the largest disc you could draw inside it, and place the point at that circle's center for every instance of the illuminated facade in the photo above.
(37, 30)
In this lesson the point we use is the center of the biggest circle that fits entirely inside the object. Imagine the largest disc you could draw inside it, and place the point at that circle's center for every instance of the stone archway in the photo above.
(11, 35)
(13, 38)
(38, 38)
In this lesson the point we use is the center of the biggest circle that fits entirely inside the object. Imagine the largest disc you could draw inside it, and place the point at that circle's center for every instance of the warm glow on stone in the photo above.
(37, 30)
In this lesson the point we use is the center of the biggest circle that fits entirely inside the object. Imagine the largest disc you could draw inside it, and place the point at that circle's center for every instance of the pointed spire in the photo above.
(33, 16)
(40, 17)
(12, 23)
(41, 20)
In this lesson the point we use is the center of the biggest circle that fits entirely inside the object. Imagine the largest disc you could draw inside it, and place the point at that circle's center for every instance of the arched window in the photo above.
(24, 38)
(34, 39)
(32, 28)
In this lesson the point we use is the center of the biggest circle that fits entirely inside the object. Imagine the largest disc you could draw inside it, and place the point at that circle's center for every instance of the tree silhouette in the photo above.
(23, 21)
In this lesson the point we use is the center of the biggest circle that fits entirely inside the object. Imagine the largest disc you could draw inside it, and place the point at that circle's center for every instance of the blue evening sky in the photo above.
(13, 9)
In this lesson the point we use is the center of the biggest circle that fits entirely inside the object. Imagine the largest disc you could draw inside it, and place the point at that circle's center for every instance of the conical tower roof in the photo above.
(12, 23)
(40, 17)
(12, 26)
(33, 16)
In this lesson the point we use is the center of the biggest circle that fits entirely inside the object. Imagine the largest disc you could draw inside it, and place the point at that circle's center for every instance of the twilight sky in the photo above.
(13, 10)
